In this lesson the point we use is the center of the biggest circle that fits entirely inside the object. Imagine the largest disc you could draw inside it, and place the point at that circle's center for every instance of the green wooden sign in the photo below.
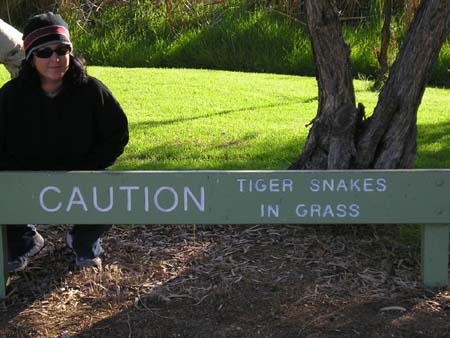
(231, 197)
(236, 197)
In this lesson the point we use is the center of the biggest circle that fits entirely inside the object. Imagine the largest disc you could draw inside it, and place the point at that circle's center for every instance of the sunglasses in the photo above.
(45, 53)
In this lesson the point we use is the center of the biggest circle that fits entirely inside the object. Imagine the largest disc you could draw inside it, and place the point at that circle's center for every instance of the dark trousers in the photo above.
(20, 238)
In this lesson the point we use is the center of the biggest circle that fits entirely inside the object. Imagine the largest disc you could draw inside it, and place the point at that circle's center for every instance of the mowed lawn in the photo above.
(203, 119)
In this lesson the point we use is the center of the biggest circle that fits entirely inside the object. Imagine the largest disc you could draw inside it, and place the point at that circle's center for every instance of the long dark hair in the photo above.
(75, 75)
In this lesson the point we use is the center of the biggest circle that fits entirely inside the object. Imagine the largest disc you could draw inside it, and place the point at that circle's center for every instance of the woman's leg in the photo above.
(84, 240)
(23, 241)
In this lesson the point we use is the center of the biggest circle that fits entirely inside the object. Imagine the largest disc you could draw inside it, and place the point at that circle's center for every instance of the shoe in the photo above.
(85, 262)
(18, 264)
(37, 243)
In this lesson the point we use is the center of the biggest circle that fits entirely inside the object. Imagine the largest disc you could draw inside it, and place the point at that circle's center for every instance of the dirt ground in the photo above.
(229, 281)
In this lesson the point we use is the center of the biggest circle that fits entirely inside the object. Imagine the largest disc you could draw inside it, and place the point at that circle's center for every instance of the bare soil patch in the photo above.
(229, 281)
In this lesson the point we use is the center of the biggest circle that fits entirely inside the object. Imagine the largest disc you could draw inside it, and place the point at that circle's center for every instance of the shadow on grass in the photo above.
(281, 155)
(151, 124)
(310, 100)
(433, 145)
(267, 158)
(171, 156)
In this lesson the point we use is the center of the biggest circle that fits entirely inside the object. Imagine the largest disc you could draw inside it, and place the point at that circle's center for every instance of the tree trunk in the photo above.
(330, 142)
(382, 55)
(339, 137)
(410, 9)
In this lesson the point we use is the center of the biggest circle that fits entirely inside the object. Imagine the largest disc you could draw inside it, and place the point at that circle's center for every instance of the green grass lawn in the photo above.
(202, 119)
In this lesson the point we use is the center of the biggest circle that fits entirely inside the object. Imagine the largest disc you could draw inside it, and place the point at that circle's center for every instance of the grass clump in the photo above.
(228, 37)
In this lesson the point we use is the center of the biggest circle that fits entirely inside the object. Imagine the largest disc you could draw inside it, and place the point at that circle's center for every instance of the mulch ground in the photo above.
(229, 281)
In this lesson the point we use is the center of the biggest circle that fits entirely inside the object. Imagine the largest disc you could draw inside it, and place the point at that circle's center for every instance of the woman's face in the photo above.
(52, 62)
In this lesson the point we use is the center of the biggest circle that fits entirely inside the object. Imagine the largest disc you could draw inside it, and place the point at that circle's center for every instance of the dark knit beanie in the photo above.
(43, 30)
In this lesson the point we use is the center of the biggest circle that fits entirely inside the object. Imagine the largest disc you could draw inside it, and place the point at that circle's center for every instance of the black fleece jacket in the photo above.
(82, 128)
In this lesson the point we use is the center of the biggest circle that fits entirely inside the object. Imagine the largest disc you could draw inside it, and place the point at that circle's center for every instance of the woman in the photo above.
(54, 116)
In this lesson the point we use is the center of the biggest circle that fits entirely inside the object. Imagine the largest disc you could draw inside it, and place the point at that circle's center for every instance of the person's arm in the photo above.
(7, 161)
(111, 132)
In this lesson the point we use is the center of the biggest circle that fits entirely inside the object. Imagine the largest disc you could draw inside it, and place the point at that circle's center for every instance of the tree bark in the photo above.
(388, 138)
(330, 143)
(339, 137)
(382, 55)
(410, 9)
